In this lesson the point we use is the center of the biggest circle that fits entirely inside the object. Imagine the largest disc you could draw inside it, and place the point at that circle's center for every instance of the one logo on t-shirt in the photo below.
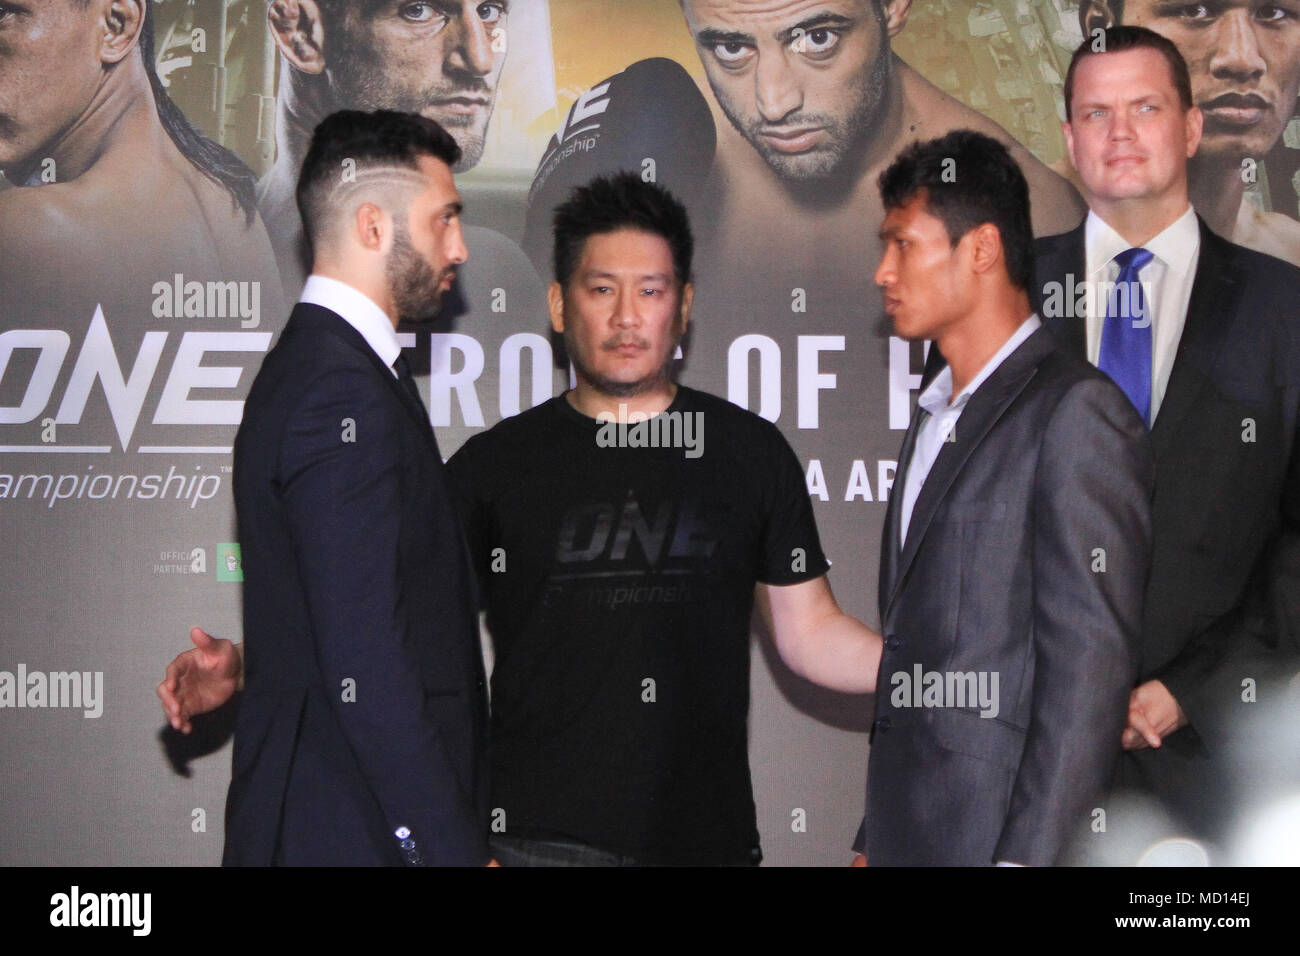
(610, 534)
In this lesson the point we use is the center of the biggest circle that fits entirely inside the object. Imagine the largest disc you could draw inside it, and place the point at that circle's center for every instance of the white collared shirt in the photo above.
(359, 311)
(1166, 288)
(942, 413)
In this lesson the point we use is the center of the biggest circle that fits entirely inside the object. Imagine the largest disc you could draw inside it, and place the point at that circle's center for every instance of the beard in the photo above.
(415, 286)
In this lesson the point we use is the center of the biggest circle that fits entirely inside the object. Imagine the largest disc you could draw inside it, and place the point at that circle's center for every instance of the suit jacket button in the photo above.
(893, 643)
(402, 833)
(883, 724)
(407, 844)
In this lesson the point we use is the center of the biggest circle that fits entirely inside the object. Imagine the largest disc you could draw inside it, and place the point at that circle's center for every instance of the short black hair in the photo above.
(620, 201)
(1121, 39)
(967, 179)
(380, 138)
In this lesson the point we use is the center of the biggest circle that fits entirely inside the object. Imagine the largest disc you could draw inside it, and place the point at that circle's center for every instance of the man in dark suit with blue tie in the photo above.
(359, 735)
(1204, 337)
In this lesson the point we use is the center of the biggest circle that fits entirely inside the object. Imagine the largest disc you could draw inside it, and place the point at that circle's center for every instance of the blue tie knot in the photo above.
(1132, 260)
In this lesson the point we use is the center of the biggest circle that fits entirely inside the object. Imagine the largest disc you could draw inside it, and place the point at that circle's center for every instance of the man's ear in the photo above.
(121, 22)
(555, 305)
(298, 32)
(895, 14)
(1195, 125)
(1068, 132)
(371, 228)
(1095, 15)
(688, 297)
(986, 246)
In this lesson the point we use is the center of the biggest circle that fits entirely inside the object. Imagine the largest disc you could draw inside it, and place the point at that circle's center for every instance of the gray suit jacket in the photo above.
(1025, 563)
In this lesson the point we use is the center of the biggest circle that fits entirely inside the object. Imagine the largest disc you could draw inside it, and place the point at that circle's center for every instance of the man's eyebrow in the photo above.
(1133, 101)
(602, 274)
(448, 8)
(453, 7)
(1166, 7)
(817, 21)
(710, 36)
(453, 207)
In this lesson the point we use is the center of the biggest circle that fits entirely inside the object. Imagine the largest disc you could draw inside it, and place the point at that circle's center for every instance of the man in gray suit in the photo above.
(1015, 546)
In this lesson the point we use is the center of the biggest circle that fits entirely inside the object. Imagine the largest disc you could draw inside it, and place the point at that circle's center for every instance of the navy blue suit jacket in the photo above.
(360, 733)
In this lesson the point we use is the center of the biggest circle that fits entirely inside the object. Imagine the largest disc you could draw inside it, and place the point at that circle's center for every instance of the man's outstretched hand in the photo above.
(200, 680)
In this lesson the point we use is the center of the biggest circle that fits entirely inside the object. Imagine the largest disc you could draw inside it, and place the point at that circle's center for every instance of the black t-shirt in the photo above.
(618, 583)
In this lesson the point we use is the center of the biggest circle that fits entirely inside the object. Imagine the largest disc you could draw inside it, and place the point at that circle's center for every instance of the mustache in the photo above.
(619, 341)
(465, 86)
(788, 124)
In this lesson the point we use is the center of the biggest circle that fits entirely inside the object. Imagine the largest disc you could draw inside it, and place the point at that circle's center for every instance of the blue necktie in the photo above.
(1126, 333)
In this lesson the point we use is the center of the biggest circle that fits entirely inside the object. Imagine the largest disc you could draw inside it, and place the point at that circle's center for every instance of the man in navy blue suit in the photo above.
(359, 735)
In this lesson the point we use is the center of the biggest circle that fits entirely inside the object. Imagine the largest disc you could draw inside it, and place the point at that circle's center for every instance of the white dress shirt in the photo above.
(359, 311)
(942, 413)
(1166, 288)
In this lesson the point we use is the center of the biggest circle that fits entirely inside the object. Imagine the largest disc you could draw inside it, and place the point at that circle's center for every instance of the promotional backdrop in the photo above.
(139, 293)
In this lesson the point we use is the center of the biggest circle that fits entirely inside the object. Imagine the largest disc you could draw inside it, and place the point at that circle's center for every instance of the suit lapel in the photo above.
(890, 551)
(986, 406)
(317, 318)
(411, 399)
(1062, 260)
(1210, 314)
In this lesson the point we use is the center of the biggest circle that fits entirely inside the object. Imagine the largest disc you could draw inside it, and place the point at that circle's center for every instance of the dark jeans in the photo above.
(523, 851)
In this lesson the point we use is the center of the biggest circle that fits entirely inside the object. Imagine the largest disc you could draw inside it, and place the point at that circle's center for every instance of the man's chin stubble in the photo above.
(616, 389)
(813, 171)
(472, 141)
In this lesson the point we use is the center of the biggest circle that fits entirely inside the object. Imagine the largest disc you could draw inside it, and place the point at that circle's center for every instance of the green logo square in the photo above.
(230, 564)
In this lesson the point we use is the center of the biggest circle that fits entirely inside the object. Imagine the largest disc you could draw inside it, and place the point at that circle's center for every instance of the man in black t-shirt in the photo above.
(618, 584)
(621, 533)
